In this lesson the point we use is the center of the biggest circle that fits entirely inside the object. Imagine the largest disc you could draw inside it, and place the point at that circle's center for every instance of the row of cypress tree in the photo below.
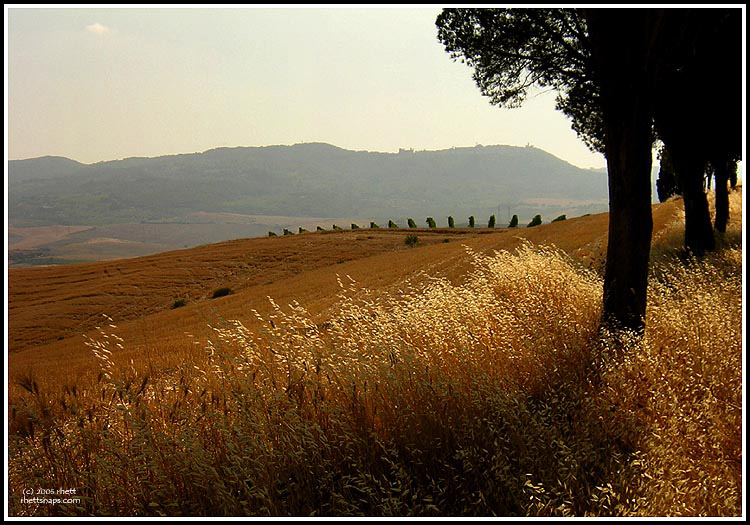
(536, 221)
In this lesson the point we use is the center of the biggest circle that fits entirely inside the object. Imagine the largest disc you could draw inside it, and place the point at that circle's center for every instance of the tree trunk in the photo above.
(630, 222)
(689, 166)
(699, 232)
(722, 170)
(622, 43)
(733, 178)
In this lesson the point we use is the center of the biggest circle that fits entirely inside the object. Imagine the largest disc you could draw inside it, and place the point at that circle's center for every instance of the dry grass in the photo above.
(71, 298)
(490, 394)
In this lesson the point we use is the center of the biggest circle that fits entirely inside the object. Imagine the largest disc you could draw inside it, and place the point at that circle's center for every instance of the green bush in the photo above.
(412, 224)
(287, 232)
(491, 223)
(271, 234)
(411, 240)
(451, 222)
(320, 229)
(471, 221)
(560, 218)
(374, 226)
(431, 222)
(179, 303)
(355, 227)
(536, 221)
(337, 227)
(222, 292)
(392, 224)
(302, 230)
(513, 222)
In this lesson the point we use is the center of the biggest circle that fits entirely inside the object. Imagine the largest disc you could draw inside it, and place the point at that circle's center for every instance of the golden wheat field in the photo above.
(348, 374)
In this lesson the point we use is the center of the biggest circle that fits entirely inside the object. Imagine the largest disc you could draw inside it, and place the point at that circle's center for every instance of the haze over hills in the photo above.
(61, 210)
(304, 180)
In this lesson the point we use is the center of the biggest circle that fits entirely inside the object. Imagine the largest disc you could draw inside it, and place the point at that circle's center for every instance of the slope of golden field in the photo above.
(468, 377)
(51, 308)
(51, 303)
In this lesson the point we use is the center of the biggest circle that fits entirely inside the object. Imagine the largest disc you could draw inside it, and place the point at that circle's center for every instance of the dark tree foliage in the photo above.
(355, 227)
(451, 222)
(513, 50)
(431, 222)
(611, 68)
(698, 110)
(560, 218)
(699, 55)
(222, 292)
(602, 75)
(412, 224)
(392, 224)
(471, 221)
(513, 222)
(536, 221)
(491, 222)
(271, 234)
(374, 226)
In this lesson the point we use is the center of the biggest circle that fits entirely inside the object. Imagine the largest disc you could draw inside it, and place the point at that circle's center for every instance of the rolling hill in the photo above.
(303, 180)
(51, 307)
(346, 362)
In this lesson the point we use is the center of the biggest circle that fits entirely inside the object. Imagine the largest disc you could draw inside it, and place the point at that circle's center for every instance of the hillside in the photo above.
(349, 374)
(138, 293)
(303, 180)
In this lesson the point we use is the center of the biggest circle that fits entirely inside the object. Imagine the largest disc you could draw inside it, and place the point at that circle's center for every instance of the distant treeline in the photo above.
(430, 221)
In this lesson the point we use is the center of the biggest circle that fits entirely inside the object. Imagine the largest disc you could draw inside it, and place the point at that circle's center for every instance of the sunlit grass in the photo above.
(491, 395)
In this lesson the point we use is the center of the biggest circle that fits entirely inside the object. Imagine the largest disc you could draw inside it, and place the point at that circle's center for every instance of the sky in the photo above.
(95, 84)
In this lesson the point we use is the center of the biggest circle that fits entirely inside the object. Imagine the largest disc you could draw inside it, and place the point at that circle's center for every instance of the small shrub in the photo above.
(451, 222)
(355, 227)
(373, 226)
(431, 222)
(471, 221)
(302, 230)
(560, 218)
(491, 223)
(221, 292)
(337, 227)
(412, 224)
(320, 229)
(513, 222)
(411, 240)
(392, 224)
(179, 303)
(536, 221)
(271, 234)
(287, 232)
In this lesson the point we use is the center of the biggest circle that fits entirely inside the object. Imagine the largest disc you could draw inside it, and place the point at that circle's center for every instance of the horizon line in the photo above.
(400, 151)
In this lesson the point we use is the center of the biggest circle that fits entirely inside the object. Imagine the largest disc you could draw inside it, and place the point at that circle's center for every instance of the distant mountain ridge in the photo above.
(310, 179)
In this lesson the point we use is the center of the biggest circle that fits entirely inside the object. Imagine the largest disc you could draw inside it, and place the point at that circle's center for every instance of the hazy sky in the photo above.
(101, 84)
